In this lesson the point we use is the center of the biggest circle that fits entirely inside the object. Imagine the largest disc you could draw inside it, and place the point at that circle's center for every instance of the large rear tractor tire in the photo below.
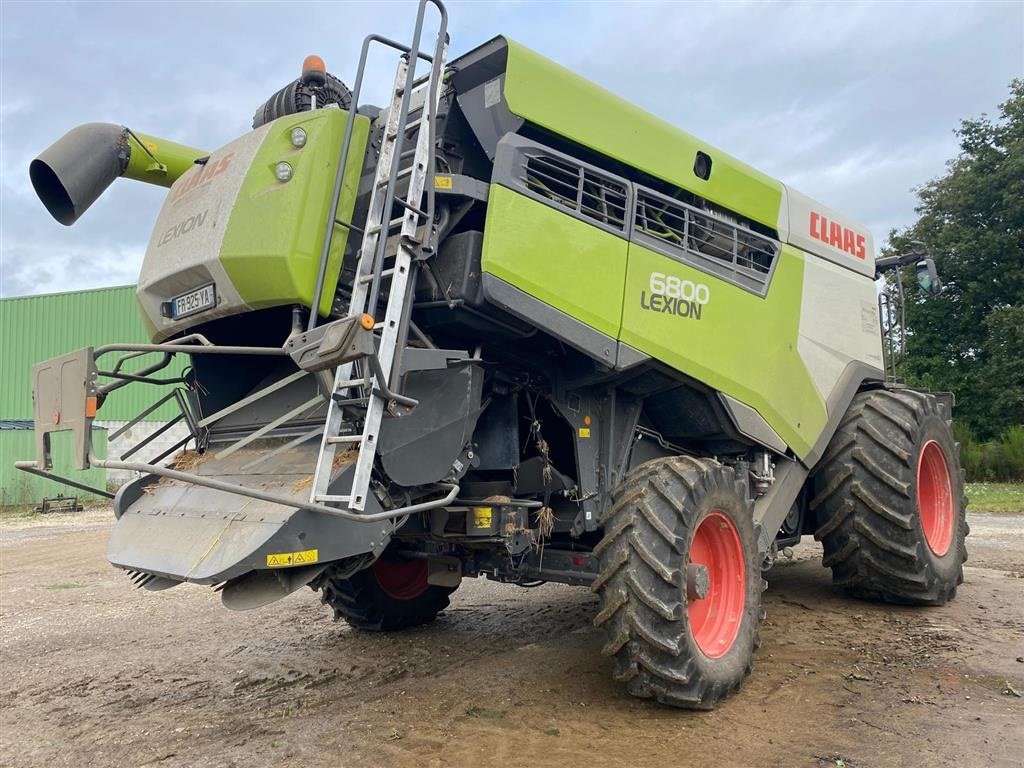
(391, 594)
(889, 500)
(680, 582)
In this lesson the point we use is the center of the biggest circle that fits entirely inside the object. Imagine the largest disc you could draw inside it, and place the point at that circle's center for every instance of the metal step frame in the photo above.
(372, 280)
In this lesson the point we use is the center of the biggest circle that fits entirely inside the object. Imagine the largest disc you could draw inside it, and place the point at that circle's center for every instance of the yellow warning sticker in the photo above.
(289, 559)
(442, 182)
(482, 517)
(584, 431)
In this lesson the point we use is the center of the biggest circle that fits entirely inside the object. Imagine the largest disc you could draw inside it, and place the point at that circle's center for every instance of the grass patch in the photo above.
(995, 497)
(19, 512)
(487, 714)
(65, 585)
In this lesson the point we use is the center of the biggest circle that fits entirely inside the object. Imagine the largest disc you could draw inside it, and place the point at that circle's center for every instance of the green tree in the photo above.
(969, 339)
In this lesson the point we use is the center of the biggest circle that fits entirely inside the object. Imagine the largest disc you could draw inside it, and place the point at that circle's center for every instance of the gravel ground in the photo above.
(95, 673)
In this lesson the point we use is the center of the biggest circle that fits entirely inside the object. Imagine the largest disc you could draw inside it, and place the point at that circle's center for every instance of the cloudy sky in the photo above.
(853, 104)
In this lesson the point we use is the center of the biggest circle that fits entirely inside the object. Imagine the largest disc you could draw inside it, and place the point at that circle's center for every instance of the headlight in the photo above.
(283, 171)
(298, 138)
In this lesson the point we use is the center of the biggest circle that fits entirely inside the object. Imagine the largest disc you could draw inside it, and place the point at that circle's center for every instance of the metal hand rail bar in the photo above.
(169, 349)
(152, 436)
(346, 143)
(252, 493)
(33, 469)
(196, 337)
(252, 398)
(174, 349)
(141, 416)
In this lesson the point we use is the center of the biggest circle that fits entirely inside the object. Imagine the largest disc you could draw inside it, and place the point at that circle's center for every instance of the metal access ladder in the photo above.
(365, 381)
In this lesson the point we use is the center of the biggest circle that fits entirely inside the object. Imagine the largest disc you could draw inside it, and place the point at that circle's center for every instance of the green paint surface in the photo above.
(551, 96)
(175, 159)
(742, 345)
(271, 248)
(564, 262)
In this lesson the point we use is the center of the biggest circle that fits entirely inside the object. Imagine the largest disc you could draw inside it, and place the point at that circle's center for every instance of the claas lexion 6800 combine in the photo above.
(506, 325)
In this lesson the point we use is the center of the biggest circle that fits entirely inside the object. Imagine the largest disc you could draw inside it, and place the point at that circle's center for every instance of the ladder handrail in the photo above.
(403, 116)
(369, 273)
(346, 142)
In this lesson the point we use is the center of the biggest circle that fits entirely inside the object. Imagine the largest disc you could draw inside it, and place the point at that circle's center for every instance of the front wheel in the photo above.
(679, 582)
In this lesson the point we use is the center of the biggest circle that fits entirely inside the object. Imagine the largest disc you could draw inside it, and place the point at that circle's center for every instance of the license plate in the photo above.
(194, 301)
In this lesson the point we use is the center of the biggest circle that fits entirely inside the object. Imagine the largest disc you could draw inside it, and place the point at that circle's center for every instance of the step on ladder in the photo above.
(364, 381)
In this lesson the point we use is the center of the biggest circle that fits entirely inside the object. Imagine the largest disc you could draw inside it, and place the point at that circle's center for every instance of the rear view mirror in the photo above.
(927, 277)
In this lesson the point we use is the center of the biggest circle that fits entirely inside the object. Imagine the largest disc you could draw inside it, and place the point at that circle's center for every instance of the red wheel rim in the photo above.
(935, 498)
(715, 619)
(401, 579)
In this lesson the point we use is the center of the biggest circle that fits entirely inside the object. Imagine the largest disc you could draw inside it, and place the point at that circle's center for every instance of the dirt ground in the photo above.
(95, 673)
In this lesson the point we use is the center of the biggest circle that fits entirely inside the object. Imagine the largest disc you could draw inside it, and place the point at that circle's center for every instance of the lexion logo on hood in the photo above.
(183, 227)
(674, 296)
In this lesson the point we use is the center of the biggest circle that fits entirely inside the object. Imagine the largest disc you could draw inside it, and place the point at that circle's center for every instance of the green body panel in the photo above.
(271, 248)
(164, 162)
(541, 91)
(742, 345)
(562, 261)
(737, 342)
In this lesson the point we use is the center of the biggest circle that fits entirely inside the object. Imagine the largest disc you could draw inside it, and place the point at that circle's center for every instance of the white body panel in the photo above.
(838, 323)
(817, 229)
(184, 249)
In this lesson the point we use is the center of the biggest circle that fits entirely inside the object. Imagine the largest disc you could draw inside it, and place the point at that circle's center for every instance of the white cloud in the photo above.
(851, 103)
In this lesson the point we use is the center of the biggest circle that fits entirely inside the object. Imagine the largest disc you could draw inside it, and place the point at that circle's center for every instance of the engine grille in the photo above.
(712, 238)
(577, 188)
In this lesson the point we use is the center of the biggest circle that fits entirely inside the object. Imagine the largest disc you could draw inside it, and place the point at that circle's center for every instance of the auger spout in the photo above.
(76, 169)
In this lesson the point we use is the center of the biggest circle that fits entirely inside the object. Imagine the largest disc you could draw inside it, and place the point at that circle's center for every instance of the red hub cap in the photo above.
(401, 579)
(715, 618)
(935, 498)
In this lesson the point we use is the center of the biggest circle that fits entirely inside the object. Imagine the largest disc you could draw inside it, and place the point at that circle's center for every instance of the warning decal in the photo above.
(482, 518)
(288, 559)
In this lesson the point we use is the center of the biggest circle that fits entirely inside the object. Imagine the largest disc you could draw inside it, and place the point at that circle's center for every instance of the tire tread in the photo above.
(642, 583)
(863, 499)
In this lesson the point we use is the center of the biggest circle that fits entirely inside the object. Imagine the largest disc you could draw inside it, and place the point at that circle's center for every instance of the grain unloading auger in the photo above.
(511, 326)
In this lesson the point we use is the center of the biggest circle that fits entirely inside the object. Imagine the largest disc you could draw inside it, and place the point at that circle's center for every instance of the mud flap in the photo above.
(190, 533)
(421, 446)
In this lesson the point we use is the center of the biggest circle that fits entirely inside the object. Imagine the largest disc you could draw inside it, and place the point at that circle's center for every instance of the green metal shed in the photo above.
(36, 328)
(17, 442)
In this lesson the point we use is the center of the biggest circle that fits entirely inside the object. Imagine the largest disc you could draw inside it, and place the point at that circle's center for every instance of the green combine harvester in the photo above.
(506, 325)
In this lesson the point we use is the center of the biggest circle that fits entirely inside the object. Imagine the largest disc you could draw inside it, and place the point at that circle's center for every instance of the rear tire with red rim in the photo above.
(680, 583)
(889, 500)
(391, 594)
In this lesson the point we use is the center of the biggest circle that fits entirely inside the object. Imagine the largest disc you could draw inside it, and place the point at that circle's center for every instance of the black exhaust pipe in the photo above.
(76, 169)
